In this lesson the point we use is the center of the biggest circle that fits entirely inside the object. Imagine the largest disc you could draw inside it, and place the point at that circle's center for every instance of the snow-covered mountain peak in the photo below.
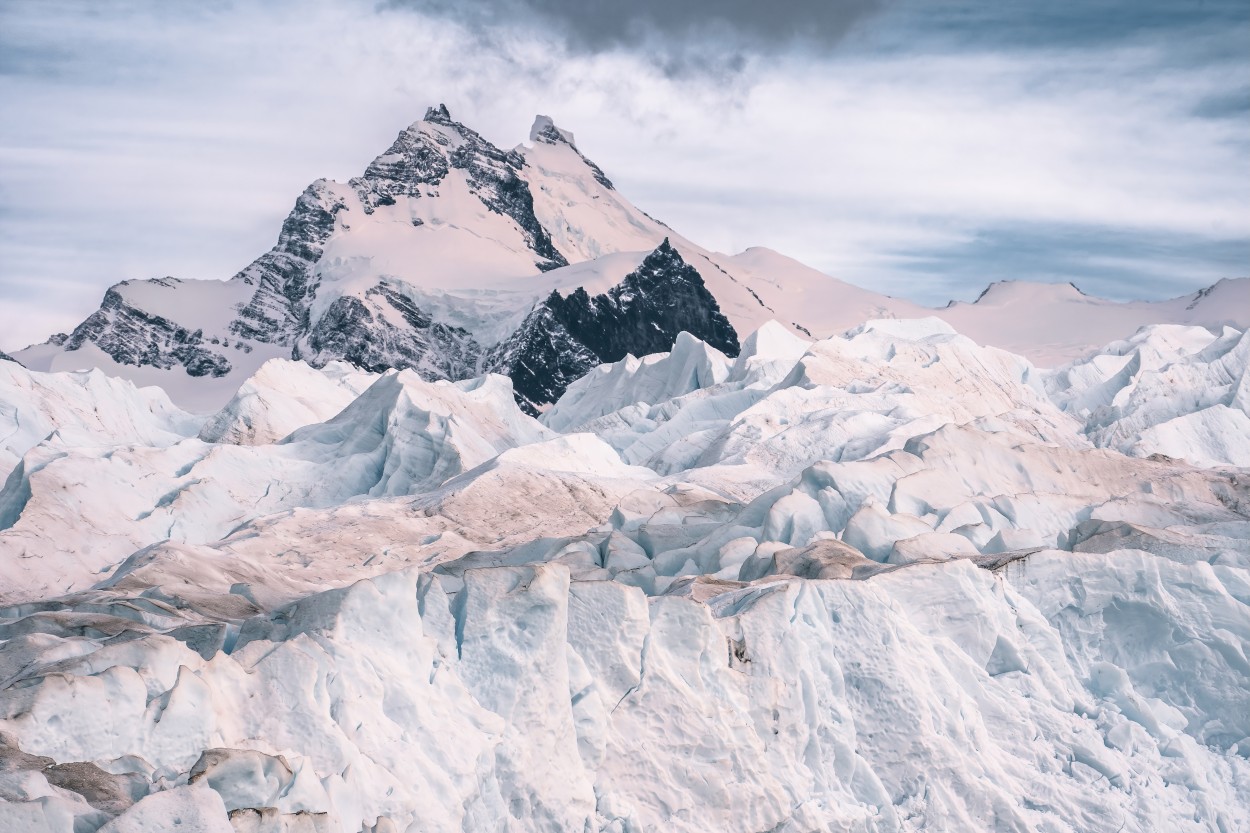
(545, 130)
(438, 114)
(1016, 292)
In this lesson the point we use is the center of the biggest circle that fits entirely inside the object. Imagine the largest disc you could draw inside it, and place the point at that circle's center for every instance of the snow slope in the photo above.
(1052, 324)
(889, 580)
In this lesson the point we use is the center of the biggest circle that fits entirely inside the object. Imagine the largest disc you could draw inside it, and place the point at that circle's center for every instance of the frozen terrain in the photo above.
(891, 580)
(484, 501)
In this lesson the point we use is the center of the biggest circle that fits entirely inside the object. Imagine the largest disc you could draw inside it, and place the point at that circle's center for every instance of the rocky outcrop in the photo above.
(278, 311)
(567, 336)
(542, 358)
(132, 336)
(415, 158)
(545, 131)
(359, 330)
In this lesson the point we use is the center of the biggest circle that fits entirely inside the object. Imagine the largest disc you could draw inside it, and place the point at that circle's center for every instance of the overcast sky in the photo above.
(921, 148)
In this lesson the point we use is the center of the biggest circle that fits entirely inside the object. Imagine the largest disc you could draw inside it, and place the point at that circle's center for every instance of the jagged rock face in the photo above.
(5, 357)
(646, 311)
(567, 336)
(542, 358)
(278, 311)
(132, 336)
(413, 160)
(357, 330)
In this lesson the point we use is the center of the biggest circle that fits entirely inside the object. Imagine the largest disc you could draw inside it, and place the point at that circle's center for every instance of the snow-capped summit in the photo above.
(443, 257)
(1055, 323)
(545, 130)
(427, 260)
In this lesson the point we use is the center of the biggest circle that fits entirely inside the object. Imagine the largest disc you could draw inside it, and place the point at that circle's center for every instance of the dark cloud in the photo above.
(1059, 23)
(684, 37)
(770, 25)
(1233, 104)
(678, 30)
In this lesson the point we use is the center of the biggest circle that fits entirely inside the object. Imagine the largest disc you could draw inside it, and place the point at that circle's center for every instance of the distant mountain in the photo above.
(452, 257)
(1056, 323)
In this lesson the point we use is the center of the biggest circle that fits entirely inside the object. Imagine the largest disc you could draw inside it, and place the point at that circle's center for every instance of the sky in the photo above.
(920, 148)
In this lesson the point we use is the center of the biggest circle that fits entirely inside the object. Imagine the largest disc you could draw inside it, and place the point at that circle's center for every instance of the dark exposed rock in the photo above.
(5, 357)
(567, 336)
(278, 311)
(131, 336)
(414, 159)
(111, 794)
(358, 330)
(542, 358)
(13, 759)
(645, 312)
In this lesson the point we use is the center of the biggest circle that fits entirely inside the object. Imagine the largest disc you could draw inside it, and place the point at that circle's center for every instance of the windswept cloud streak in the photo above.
(921, 149)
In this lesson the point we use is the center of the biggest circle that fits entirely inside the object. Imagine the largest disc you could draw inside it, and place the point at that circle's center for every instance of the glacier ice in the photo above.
(891, 580)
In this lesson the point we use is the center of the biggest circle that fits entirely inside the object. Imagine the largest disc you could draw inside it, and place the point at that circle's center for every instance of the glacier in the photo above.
(891, 580)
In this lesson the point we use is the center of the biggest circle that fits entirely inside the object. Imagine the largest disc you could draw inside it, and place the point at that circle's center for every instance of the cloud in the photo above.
(688, 35)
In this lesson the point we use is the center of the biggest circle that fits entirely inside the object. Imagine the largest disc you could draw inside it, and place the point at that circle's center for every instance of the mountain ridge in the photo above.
(442, 250)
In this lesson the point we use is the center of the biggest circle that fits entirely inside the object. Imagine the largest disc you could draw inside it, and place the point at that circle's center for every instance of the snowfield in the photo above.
(891, 580)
